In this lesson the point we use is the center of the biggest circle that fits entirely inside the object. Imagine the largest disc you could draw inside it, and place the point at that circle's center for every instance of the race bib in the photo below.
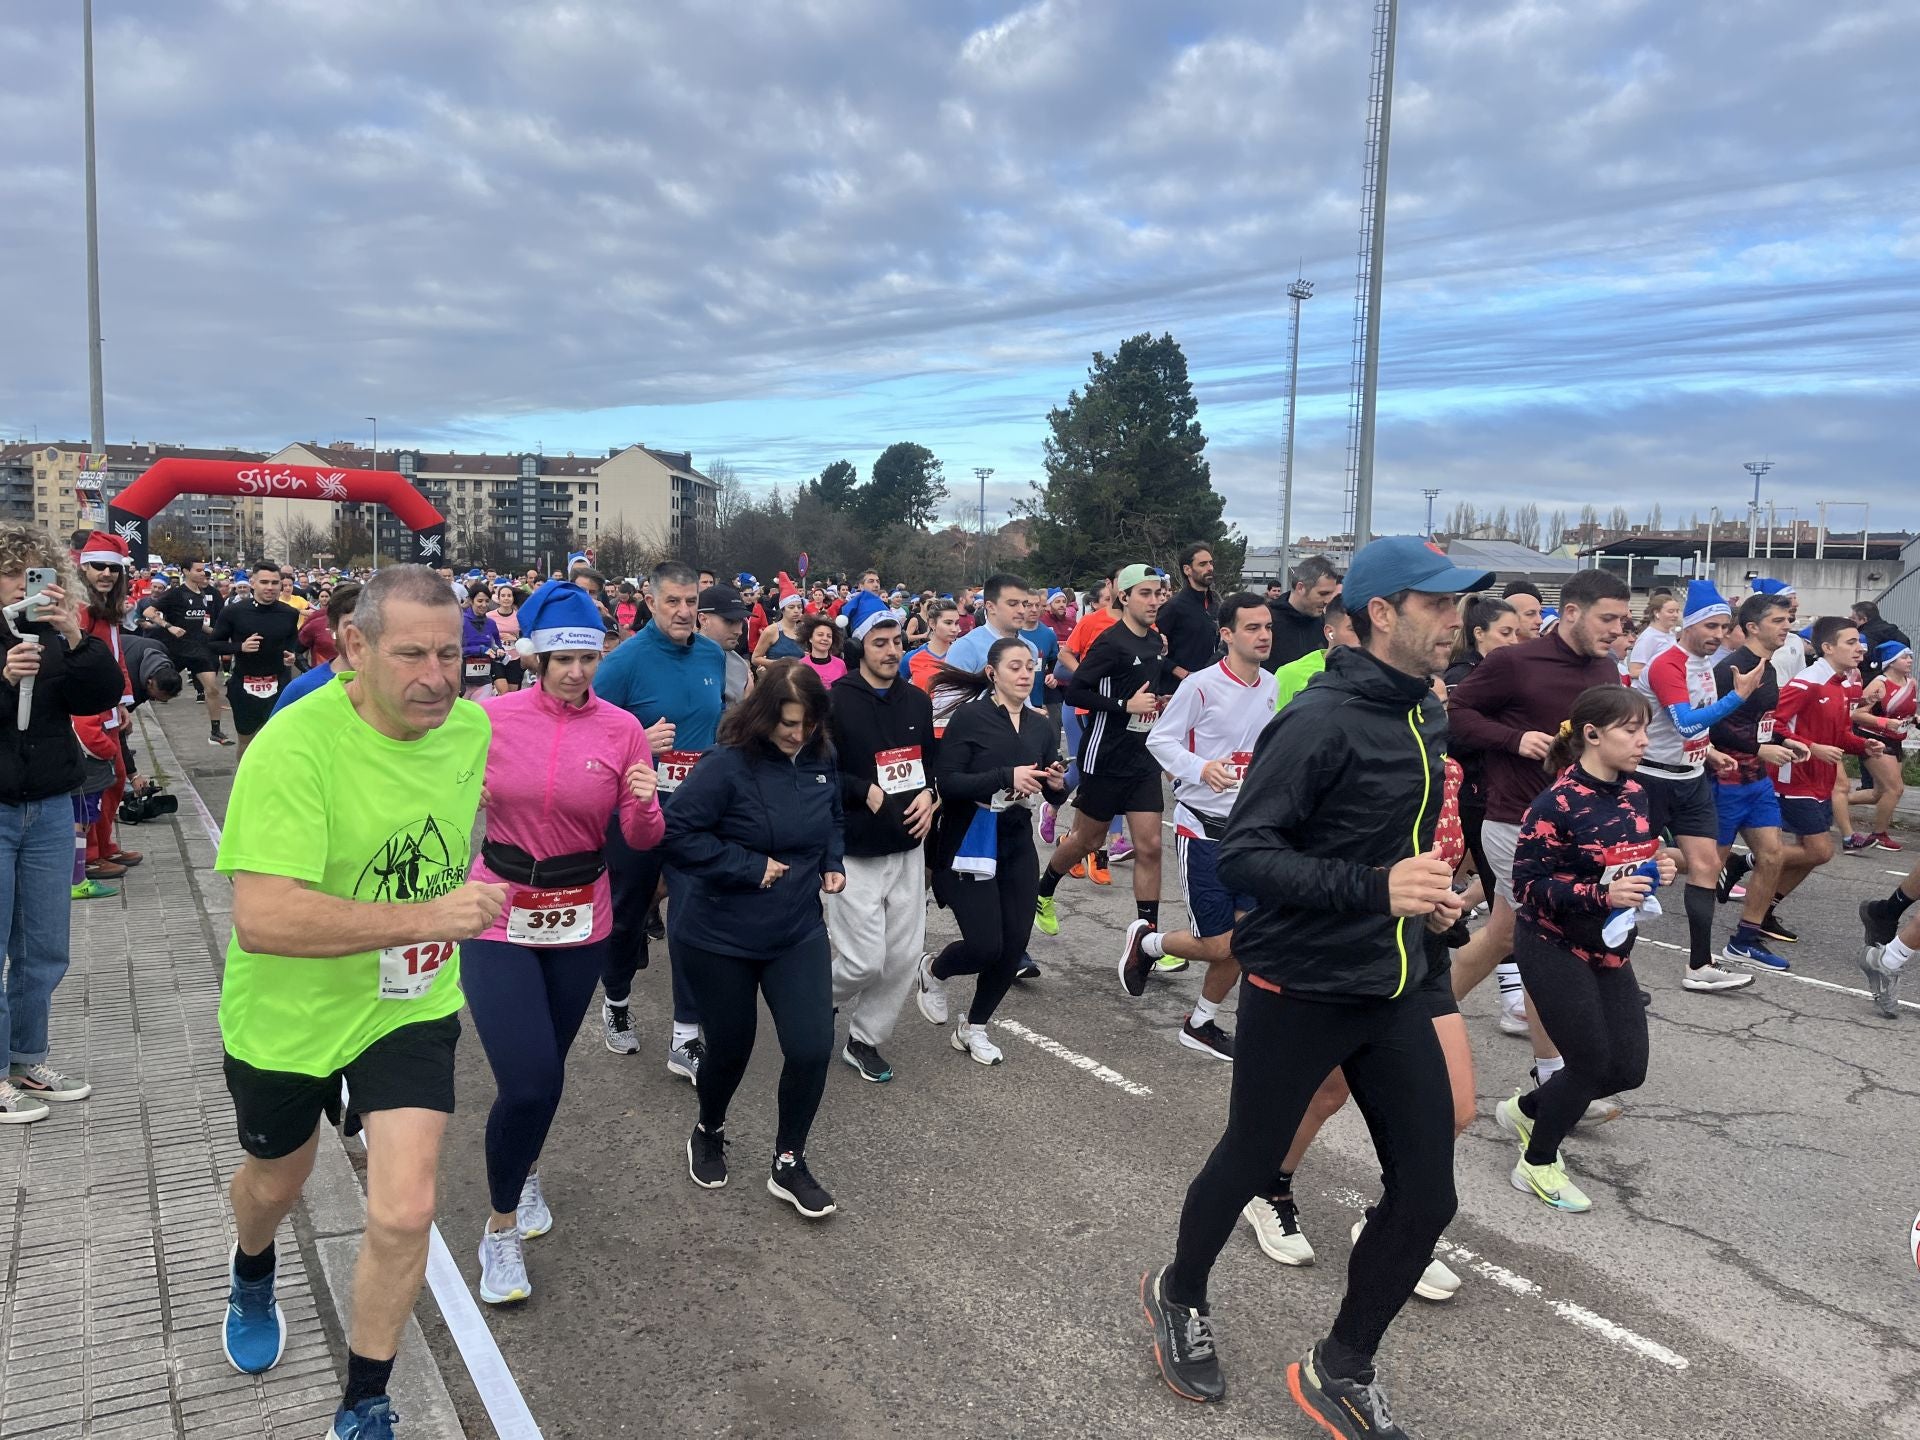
(551, 917)
(478, 670)
(900, 772)
(260, 687)
(673, 766)
(1695, 750)
(1763, 732)
(1239, 761)
(1140, 724)
(407, 971)
(1619, 860)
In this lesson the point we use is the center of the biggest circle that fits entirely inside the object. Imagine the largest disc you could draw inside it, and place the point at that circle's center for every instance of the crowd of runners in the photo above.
(1386, 785)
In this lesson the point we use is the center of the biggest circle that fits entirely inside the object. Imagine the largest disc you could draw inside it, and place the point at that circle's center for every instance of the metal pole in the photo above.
(1865, 510)
(1820, 535)
(374, 421)
(96, 389)
(1773, 521)
(1431, 495)
(1298, 291)
(981, 473)
(1713, 523)
(1370, 370)
(1755, 468)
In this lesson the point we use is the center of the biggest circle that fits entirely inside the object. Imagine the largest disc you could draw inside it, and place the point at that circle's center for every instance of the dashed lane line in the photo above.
(1093, 1067)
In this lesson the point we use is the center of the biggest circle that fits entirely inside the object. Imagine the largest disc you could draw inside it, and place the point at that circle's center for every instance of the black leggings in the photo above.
(1283, 1048)
(1596, 1018)
(798, 984)
(996, 922)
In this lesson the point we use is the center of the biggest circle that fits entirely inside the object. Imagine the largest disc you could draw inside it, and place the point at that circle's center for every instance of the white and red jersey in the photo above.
(1816, 708)
(1686, 705)
(1213, 715)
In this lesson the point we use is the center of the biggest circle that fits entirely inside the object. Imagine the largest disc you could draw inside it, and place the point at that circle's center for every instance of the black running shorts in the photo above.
(1102, 797)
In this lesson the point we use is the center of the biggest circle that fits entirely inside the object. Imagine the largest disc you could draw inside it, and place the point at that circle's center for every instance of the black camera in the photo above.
(147, 805)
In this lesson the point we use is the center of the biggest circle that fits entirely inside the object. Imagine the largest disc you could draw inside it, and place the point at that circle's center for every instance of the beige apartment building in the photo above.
(40, 482)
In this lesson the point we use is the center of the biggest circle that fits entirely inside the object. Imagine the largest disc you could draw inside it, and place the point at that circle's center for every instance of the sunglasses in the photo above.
(101, 566)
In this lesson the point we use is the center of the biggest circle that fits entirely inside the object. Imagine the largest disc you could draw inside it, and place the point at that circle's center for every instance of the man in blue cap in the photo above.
(1333, 838)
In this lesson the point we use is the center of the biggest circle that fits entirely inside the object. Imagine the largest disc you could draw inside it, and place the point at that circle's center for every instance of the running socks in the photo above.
(1895, 955)
(1204, 1012)
(684, 1033)
(1546, 1067)
(1151, 945)
(1049, 879)
(1149, 911)
(251, 1269)
(1343, 1362)
(1507, 973)
(366, 1379)
(1700, 906)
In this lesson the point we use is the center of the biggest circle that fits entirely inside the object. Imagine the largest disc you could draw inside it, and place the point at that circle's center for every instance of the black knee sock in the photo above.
(1345, 1362)
(1700, 906)
(1049, 880)
(253, 1268)
(1282, 1184)
(1149, 911)
(365, 1379)
(1899, 900)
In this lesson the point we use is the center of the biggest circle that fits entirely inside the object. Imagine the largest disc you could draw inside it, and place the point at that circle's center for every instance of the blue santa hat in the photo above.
(1772, 587)
(560, 616)
(859, 606)
(744, 581)
(1703, 603)
(873, 619)
(1888, 651)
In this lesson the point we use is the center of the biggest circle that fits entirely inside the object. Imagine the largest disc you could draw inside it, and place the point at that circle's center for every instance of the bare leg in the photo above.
(210, 682)
(1086, 836)
(403, 1157)
(264, 1192)
(1491, 944)
(1144, 826)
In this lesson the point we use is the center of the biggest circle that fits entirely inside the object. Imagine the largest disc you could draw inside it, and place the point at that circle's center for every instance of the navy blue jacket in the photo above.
(738, 807)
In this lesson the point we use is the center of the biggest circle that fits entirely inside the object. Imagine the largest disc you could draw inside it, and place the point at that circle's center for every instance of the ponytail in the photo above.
(1598, 708)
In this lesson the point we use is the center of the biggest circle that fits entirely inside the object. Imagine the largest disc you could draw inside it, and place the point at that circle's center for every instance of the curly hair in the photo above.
(22, 546)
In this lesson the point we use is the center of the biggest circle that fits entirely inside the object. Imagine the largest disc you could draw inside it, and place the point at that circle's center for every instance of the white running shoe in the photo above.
(930, 994)
(1713, 977)
(1436, 1283)
(1276, 1225)
(1513, 1021)
(503, 1267)
(1603, 1111)
(972, 1040)
(531, 1216)
(616, 1028)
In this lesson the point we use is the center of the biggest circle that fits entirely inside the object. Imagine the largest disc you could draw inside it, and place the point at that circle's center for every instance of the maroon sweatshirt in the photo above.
(1517, 688)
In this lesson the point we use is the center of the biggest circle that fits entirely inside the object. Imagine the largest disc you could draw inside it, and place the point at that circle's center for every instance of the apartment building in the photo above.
(41, 483)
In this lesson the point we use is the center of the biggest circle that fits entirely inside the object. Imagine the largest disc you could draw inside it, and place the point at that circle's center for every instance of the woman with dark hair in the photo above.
(755, 832)
(996, 760)
(1486, 623)
(1585, 863)
(819, 637)
(781, 639)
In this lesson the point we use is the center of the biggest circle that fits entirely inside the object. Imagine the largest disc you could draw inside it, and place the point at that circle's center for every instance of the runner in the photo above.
(260, 633)
(673, 681)
(1190, 621)
(1886, 712)
(1298, 619)
(1292, 678)
(339, 606)
(1791, 658)
(482, 652)
(1657, 626)
(1579, 877)
(996, 760)
(1487, 623)
(943, 628)
(344, 963)
(1096, 615)
(1746, 802)
(723, 616)
(186, 613)
(1889, 943)
(1529, 607)
(781, 640)
(1672, 775)
(1116, 685)
(1333, 839)
(755, 839)
(562, 764)
(881, 725)
(1204, 739)
(820, 638)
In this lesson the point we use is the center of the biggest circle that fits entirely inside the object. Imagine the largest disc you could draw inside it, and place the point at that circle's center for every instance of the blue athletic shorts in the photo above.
(1754, 805)
(1210, 905)
(1803, 815)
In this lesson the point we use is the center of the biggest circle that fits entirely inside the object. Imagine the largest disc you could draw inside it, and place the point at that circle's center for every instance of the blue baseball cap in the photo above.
(1406, 562)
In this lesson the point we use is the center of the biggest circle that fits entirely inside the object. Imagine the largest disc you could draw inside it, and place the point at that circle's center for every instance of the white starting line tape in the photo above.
(1073, 1057)
(499, 1392)
(1463, 1258)
(1789, 975)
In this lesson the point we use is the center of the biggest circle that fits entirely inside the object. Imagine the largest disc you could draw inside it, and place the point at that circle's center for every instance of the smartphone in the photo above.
(39, 577)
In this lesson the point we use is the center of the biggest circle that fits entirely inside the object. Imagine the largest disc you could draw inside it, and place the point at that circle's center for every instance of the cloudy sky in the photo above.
(1630, 245)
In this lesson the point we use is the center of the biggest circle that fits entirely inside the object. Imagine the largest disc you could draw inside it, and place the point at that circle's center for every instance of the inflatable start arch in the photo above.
(169, 479)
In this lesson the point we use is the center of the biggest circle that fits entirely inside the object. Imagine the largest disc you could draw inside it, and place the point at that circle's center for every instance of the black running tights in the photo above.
(995, 917)
(1283, 1048)
(1596, 1018)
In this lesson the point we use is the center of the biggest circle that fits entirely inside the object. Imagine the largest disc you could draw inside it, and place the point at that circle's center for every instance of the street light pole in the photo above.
(1298, 291)
(1755, 468)
(374, 420)
(982, 473)
(1431, 495)
(96, 389)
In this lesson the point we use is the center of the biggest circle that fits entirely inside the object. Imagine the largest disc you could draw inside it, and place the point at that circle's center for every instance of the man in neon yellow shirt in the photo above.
(344, 961)
(1292, 677)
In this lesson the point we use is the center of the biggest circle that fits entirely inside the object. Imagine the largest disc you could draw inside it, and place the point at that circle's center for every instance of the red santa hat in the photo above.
(103, 547)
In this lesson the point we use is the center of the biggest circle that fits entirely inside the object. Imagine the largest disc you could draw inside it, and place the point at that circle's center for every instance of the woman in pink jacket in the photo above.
(561, 763)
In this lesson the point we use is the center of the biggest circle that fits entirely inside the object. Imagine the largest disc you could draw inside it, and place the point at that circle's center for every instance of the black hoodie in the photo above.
(864, 723)
(1345, 783)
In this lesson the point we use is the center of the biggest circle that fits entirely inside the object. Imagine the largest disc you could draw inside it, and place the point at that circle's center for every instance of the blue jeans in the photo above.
(36, 907)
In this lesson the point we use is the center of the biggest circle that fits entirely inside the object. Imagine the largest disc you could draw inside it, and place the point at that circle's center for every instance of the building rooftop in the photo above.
(1508, 557)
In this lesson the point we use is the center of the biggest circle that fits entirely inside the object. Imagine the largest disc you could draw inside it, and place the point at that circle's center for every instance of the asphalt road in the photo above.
(1745, 1269)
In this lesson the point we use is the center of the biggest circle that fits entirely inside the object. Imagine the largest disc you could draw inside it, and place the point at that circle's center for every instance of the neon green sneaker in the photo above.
(1169, 964)
(1045, 918)
(1551, 1184)
(1511, 1118)
(94, 890)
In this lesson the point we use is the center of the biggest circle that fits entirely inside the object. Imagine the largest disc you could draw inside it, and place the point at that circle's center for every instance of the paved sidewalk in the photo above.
(114, 1232)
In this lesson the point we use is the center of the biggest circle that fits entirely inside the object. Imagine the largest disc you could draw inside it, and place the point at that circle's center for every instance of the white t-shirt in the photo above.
(1648, 648)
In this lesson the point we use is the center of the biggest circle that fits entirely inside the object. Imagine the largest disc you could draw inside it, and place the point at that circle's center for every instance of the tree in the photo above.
(1526, 525)
(1126, 479)
(906, 488)
(297, 541)
(1502, 528)
(1556, 529)
(836, 487)
(1619, 521)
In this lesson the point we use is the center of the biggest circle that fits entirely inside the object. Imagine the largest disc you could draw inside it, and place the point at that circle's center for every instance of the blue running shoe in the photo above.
(369, 1420)
(1751, 949)
(256, 1332)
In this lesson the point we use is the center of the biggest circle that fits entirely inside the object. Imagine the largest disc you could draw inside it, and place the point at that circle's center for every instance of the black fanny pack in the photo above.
(560, 872)
(1213, 829)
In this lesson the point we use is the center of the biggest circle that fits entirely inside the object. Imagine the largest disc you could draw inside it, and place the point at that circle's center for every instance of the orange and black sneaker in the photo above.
(1079, 870)
(1182, 1342)
(1346, 1408)
(1097, 870)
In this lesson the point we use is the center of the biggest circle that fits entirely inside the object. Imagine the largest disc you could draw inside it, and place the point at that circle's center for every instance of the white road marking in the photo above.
(1789, 975)
(498, 1390)
(1462, 1258)
(1074, 1058)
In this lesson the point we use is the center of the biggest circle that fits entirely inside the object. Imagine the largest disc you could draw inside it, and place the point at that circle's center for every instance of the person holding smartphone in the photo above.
(71, 673)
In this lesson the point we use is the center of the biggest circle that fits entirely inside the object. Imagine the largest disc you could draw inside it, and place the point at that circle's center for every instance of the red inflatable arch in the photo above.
(166, 480)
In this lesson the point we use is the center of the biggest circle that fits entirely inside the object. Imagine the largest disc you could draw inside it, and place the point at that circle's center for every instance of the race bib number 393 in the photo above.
(551, 917)
(407, 971)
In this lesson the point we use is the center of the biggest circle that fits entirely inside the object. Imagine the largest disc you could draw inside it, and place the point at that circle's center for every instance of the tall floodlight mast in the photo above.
(1366, 297)
(1298, 291)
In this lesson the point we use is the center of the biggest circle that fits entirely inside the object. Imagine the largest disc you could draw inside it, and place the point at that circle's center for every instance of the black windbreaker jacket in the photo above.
(863, 724)
(43, 760)
(1345, 783)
